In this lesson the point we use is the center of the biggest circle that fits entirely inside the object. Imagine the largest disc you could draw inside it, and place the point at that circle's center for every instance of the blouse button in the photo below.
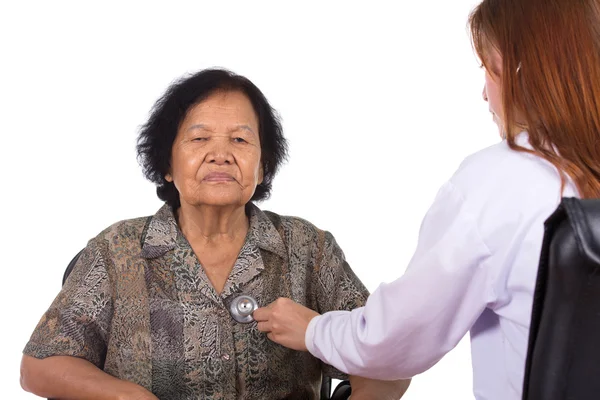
(225, 357)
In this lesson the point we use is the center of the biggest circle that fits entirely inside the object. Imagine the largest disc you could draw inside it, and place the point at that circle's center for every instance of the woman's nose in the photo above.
(220, 153)
(484, 93)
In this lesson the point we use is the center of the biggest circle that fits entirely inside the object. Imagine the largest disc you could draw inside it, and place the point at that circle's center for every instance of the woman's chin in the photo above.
(219, 201)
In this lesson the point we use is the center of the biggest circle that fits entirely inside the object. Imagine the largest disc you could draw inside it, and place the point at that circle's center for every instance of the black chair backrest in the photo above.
(341, 392)
(70, 266)
(563, 357)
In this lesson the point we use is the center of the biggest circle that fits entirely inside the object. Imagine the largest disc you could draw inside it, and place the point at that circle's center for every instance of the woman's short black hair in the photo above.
(157, 135)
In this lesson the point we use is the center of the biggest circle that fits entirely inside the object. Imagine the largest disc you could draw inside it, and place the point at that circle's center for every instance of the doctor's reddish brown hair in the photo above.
(550, 79)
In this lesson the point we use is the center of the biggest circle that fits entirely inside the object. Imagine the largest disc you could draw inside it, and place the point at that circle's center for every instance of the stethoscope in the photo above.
(242, 307)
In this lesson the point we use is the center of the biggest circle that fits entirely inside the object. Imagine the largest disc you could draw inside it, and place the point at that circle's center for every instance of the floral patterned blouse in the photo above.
(139, 305)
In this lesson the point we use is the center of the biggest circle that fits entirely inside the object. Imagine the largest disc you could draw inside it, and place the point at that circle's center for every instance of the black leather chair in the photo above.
(563, 357)
(341, 392)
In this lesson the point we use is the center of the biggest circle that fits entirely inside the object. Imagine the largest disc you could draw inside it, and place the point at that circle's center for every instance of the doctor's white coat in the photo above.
(474, 270)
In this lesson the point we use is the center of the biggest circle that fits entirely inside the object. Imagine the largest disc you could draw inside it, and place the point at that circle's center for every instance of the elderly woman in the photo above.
(145, 312)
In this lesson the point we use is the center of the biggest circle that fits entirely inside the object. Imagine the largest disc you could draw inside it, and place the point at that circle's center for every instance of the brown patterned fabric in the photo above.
(139, 306)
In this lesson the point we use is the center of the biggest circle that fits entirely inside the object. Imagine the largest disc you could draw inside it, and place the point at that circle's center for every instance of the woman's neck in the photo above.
(208, 225)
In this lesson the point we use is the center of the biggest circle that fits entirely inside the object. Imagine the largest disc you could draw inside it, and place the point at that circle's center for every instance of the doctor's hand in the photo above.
(285, 322)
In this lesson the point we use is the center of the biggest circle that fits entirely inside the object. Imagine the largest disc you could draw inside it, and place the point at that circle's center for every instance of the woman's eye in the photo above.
(239, 140)
(198, 139)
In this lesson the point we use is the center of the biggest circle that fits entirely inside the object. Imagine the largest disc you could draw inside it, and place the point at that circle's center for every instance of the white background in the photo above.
(380, 103)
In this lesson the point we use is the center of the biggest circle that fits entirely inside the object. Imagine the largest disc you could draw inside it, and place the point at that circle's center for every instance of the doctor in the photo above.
(475, 265)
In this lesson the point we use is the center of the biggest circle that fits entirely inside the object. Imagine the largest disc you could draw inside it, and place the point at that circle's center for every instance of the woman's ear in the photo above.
(261, 174)
(168, 178)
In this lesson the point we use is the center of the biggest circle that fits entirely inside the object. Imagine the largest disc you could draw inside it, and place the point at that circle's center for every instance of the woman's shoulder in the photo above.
(127, 229)
(299, 234)
(507, 190)
(500, 170)
(293, 225)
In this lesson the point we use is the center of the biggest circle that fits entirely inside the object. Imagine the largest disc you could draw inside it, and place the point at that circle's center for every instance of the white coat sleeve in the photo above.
(408, 325)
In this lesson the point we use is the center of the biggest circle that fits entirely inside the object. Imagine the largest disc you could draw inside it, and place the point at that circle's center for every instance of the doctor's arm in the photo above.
(335, 286)
(408, 325)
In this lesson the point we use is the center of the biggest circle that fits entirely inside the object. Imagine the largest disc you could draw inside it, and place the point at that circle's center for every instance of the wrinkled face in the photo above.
(492, 92)
(215, 159)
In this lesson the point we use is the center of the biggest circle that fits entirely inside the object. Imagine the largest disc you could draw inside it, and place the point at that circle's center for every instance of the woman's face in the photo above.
(215, 159)
(492, 92)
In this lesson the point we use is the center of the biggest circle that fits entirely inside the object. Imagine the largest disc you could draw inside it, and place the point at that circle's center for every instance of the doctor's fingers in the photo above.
(264, 326)
(282, 306)
(262, 313)
(265, 313)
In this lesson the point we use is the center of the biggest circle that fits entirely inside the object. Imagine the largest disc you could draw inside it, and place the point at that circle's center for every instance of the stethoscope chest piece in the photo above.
(242, 307)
